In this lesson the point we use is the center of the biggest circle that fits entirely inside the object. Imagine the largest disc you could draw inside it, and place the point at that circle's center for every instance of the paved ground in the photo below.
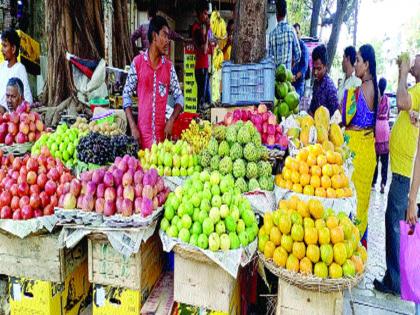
(367, 300)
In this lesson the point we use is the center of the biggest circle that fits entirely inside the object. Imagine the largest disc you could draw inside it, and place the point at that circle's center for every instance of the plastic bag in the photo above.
(410, 261)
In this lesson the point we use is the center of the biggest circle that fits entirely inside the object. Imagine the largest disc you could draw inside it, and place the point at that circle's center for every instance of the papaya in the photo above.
(281, 89)
(322, 117)
(322, 134)
(304, 135)
(284, 110)
(307, 121)
(281, 74)
(289, 75)
(292, 99)
(336, 135)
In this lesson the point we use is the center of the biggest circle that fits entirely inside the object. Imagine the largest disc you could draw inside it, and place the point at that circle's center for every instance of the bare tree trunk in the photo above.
(316, 9)
(335, 32)
(356, 16)
(249, 35)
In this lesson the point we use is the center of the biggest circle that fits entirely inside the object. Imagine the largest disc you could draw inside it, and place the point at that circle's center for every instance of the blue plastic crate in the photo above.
(249, 83)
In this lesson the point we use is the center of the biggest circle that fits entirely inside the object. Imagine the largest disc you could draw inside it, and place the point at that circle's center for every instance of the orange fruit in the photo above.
(292, 263)
(282, 184)
(320, 192)
(331, 193)
(275, 235)
(330, 157)
(302, 155)
(299, 250)
(315, 181)
(321, 160)
(295, 177)
(311, 235)
(316, 170)
(339, 193)
(292, 202)
(340, 253)
(327, 170)
(269, 249)
(294, 165)
(337, 181)
(277, 179)
(283, 204)
(305, 266)
(280, 257)
(358, 263)
(311, 159)
(287, 173)
(332, 221)
(297, 188)
(338, 158)
(336, 169)
(288, 162)
(335, 271)
(316, 209)
(303, 168)
(289, 184)
(313, 253)
(309, 190)
(305, 179)
(302, 209)
(325, 181)
(337, 235)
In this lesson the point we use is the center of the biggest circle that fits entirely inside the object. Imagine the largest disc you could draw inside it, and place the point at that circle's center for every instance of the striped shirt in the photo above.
(283, 45)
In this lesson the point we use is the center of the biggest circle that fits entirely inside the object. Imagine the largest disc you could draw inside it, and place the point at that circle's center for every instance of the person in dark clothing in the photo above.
(301, 66)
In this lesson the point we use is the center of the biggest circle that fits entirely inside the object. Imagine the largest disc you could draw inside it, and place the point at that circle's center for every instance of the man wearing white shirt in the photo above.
(11, 68)
(350, 80)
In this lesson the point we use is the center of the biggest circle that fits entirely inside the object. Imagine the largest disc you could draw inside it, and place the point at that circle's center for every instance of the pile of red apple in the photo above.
(31, 186)
(124, 188)
(263, 120)
(20, 126)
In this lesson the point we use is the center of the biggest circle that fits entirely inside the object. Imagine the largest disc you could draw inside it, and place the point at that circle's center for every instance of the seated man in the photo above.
(14, 94)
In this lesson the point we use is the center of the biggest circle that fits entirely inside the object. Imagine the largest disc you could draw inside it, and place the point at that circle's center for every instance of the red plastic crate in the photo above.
(181, 123)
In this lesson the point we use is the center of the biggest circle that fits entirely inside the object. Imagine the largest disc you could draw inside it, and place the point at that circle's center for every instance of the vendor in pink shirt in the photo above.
(153, 76)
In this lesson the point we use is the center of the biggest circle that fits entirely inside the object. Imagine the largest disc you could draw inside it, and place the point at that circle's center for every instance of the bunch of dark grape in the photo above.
(123, 145)
(95, 148)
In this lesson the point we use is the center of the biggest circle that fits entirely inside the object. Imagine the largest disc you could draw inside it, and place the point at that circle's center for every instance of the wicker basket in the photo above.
(17, 149)
(310, 282)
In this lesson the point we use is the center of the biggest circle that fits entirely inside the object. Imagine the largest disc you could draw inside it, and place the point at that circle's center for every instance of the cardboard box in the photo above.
(161, 299)
(185, 309)
(292, 300)
(39, 257)
(219, 113)
(206, 285)
(137, 272)
(115, 300)
(4, 295)
(29, 297)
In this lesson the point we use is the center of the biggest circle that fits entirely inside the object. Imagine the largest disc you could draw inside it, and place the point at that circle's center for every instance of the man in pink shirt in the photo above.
(153, 76)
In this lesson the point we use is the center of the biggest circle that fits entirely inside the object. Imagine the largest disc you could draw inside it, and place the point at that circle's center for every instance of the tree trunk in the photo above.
(249, 35)
(335, 32)
(356, 17)
(316, 9)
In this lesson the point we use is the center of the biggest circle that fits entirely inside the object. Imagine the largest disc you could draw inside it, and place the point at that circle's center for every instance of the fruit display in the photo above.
(218, 58)
(62, 144)
(218, 25)
(287, 100)
(315, 172)
(208, 211)
(265, 122)
(170, 159)
(304, 238)
(99, 149)
(197, 135)
(124, 188)
(237, 150)
(104, 128)
(20, 126)
(31, 186)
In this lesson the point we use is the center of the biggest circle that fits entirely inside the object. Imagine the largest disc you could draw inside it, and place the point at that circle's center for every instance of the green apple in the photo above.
(240, 226)
(176, 172)
(243, 237)
(214, 242)
(181, 210)
(224, 185)
(175, 220)
(205, 205)
(203, 241)
(186, 221)
(214, 215)
(207, 194)
(216, 201)
(205, 176)
(180, 225)
(176, 161)
(215, 178)
(164, 224)
(190, 171)
(230, 224)
(184, 235)
(208, 226)
(196, 214)
(224, 211)
(234, 212)
(172, 231)
(224, 242)
(196, 228)
(183, 171)
(179, 192)
(184, 161)
(250, 232)
(215, 190)
(194, 239)
(220, 227)
(169, 212)
(226, 197)
(249, 217)
(189, 208)
(202, 215)
(234, 240)
(197, 185)
(190, 161)
(207, 186)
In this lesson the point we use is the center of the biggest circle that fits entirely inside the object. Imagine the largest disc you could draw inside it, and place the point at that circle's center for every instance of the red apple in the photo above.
(31, 178)
(24, 201)
(53, 174)
(27, 212)
(32, 136)
(38, 213)
(54, 200)
(32, 164)
(75, 187)
(14, 190)
(17, 215)
(23, 189)
(34, 189)
(49, 210)
(5, 198)
(99, 205)
(50, 187)
(45, 199)
(24, 128)
(41, 180)
(6, 212)
(35, 201)
(16, 165)
(14, 204)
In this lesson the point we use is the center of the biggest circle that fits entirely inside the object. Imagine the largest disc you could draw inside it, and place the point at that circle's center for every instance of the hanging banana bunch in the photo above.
(218, 25)
(218, 58)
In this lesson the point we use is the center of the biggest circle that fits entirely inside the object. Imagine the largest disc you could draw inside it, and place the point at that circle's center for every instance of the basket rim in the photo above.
(310, 282)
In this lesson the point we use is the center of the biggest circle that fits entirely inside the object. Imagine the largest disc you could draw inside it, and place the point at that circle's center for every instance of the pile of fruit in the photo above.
(62, 144)
(209, 212)
(197, 135)
(265, 122)
(20, 126)
(123, 188)
(315, 172)
(99, 149)
(170, 159)
(103, 128)
(329, 135)
(218, 25)
(287, 100)
(31, 186)
(237, 150)
(302, 237)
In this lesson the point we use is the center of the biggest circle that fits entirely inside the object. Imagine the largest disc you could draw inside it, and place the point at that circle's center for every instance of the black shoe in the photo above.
(381, 287)
(382, 189)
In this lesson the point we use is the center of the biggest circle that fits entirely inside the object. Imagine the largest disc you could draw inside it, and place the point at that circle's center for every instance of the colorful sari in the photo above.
(356, 113)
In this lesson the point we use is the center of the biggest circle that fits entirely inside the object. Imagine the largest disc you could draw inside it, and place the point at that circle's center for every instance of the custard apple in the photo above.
(239, 168)
(219, 132)
(224, 149)
(266, 183)
(214, 163)
(253, 184)
(241, 184)
(256, 139)
(251, 170)
(243, 136)
(225, 165)
(236, 151)
(213, 147)
(231, 134)
(264, 168)
(205, 158)
(251, 152)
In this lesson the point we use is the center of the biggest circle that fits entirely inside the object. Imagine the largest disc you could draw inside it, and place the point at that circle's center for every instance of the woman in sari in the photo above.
(359, 117)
